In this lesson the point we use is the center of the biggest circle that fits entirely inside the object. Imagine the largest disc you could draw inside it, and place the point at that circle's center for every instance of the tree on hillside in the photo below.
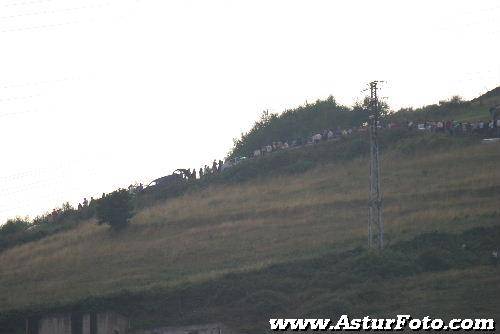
(300, 122)
(16, 225)
(115, 209)
(365, 106)
(13, 230)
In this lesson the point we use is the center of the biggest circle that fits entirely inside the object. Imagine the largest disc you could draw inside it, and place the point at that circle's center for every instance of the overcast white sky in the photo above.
(96, 95)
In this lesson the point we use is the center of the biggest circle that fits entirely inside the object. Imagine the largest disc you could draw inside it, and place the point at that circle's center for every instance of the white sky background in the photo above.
(96, 95)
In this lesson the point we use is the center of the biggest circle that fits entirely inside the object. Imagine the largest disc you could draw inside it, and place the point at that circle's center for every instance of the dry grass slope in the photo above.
(248, 226)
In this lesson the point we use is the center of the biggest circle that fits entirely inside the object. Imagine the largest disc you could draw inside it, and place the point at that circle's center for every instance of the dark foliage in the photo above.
(115, 209)
(14, 226)
(21, 230)
(13, 231)
(296, 123)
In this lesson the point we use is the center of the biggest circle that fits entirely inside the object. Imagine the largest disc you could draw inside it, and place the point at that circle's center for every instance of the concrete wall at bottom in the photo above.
(111, 323)
(105, 323)
(56, 324)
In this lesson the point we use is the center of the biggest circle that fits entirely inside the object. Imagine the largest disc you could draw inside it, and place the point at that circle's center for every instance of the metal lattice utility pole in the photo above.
(375, 224)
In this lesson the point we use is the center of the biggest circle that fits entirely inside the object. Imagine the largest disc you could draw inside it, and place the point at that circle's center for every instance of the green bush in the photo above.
(115, 209)
(300, 122)
(13, 232)
(14, 226)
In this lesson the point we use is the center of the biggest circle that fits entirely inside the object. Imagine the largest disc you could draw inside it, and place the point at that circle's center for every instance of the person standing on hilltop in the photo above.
(201, 172)
(214, 166)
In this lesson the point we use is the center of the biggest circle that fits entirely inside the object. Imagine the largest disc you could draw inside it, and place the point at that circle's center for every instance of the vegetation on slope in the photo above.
(454, 109)
(489, 98)
(22, 230)
(298, 123)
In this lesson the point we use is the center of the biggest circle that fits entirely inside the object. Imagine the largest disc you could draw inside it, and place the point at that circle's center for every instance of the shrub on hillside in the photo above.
(14, 226)
(115, 209)
(296, 123)
(13, 231)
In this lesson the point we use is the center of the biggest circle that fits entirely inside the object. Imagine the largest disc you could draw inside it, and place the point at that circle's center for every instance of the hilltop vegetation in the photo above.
(452, 109)
(489, 98)
(309, 119)
(22, 230)
(298, 123)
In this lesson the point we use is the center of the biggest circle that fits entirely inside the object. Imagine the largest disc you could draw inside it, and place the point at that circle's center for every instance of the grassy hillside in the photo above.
(176, 250)
(460, 112)
(490, 98)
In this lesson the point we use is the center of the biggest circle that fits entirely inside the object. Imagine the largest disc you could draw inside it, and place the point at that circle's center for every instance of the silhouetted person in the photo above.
(214, 166)
(201, 172)
(220, 165)
(85, 203)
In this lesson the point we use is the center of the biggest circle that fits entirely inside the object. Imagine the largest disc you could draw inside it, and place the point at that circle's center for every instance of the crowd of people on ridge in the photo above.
(207, 170)
(491, 127)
